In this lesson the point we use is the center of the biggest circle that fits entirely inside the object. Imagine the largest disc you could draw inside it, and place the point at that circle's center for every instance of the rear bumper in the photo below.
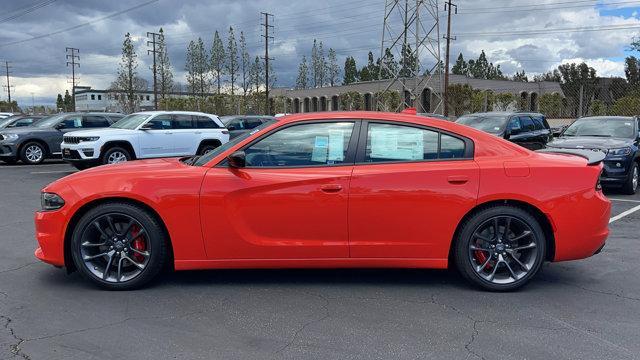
(582, 227)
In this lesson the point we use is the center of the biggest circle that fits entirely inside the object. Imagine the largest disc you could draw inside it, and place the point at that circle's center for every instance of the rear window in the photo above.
(203, 122)
(494, 124)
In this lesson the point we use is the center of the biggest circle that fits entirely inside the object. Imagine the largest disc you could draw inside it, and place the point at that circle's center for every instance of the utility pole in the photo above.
(73, 56)
(446, 66)
(8, 86)
(266, 59)
(155, 77)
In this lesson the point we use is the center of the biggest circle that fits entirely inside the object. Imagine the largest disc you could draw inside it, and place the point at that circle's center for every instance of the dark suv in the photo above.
(617, 137)
(35, 143)
(240, 124)
(529, 130)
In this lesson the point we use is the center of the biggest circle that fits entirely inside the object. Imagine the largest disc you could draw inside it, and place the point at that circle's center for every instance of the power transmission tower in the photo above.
(74, 62)
(411, 33)
(266, 37)
(155, 78)
(446, 65)
(8, 86)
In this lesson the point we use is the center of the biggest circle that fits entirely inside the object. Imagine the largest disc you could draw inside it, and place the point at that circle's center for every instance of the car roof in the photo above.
(158, 112)
(504, 113)
(619, 118)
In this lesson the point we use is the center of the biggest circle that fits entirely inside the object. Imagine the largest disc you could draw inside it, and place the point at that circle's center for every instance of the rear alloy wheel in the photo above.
(500, 248)
(119, 246)
(116, 155)
(204, 149)
(32, 153)
(631, 185)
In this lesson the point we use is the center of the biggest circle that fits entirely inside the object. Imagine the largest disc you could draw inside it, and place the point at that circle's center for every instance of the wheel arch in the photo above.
(543, 219)
(203, 142)
(122, 143)
(71, 225)
(36, 140)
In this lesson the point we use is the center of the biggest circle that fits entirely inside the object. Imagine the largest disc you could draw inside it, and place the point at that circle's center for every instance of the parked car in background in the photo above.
(33, 144)
(529, 130)
(4, 115)
(239, 124)
(19, 121)
(331, 190)
(617, 137)
(143, 135)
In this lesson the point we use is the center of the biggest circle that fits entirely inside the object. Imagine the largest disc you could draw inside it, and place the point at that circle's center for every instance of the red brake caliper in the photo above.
(481, 257)
(138, 243)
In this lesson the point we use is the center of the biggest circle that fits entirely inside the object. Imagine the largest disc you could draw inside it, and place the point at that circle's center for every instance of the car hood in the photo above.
(100, 132)
(26, 130)
(589, 142)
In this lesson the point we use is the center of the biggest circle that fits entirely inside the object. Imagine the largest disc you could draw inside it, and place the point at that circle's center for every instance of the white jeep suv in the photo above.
(142, 135)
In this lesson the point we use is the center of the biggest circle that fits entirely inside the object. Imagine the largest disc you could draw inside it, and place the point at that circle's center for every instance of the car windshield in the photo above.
(602, 127)
(131, 122)
(50, 121)
(220, 149)
(490, 123)
(6, 121)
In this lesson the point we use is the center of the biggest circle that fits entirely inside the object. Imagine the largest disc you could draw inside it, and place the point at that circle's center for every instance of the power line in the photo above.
(28, 10)
(153, 51)
(74, 62)
(112, 15)
(551, 31)
(267, 37)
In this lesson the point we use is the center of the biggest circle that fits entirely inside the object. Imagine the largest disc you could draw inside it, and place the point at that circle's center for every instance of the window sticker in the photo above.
(398, 144)
(336, 145)
(320, 149)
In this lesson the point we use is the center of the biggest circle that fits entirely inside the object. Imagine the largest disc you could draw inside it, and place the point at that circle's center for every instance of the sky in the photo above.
(530, 35)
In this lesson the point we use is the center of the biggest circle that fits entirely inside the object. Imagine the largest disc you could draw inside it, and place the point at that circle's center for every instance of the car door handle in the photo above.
(331, 188)
(168, 133)
(458, 179)
(198, 132)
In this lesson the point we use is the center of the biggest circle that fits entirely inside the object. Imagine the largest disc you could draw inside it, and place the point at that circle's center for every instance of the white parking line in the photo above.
(624, 213)
(54, 172)
(627, 200)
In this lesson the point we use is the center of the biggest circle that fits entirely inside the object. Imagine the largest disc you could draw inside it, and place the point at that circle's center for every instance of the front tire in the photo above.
(33, 153)
(630, 186)
(500, 248)
(119, 246)
(115, 155)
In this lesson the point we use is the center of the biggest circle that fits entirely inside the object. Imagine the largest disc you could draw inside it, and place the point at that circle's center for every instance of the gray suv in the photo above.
(35, 143)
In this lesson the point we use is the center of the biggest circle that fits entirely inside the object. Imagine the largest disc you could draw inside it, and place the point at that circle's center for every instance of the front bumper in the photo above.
(616, 171)
(8, 149)
(50, 227)
(81, 152)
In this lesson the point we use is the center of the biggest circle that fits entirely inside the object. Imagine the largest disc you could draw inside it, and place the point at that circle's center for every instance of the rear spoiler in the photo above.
(593, 157)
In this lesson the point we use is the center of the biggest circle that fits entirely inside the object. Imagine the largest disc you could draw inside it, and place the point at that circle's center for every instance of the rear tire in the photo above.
(88, 241)
(115, 155)
(501, 260)
(630, 186)
(33, 153)
(205, 148)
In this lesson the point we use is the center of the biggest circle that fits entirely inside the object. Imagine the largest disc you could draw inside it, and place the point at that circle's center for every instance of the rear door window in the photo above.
(250, 123)
(92, 121)
(527, 123)
(182, 122)
(203, 122)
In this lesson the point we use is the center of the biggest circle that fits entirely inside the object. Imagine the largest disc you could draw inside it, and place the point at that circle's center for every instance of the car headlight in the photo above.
(9, 136)
(619, 151)
(51, 201)
(88, 138)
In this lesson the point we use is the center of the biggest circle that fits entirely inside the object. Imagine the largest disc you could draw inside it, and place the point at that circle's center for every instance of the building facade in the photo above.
(88, 99)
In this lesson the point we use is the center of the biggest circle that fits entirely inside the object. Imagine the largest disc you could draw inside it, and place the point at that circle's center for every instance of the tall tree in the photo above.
(388, 65)
(408, 63)
(315, 74)
(303, 74)
(127, 82)
(520, 77)
(218, 59)
(60, 103)
(632, 71)
(574, 77)
(554, 76)
(255, 73)
(350, 71)
(333, 70)
(244, 64)
(460, 67)
(373, 66)
(190, 67)
(232, 65)
(68, 101)
(164, 67)
(321, 66)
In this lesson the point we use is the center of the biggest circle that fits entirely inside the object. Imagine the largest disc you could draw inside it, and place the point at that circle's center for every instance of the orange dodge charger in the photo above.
(332, 190)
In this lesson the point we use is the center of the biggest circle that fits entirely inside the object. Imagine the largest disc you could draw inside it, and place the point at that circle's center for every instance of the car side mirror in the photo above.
(237, 159)
(60, 126)
(147, 126)
(231, 127)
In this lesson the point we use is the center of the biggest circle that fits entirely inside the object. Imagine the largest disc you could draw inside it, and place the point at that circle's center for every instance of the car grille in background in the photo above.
(71, 140)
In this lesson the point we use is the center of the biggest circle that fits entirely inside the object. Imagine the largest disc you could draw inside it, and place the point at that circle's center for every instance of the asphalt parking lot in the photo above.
(588, 309)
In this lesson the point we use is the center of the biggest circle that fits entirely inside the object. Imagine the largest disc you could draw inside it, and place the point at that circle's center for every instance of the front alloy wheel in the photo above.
(32, 153)
(119, 246)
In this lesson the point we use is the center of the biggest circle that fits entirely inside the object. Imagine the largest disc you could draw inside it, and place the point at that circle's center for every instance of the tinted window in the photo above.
(72, 122)
(237, 124)
(114, 118)
(161, 122)
(527, 123)
(451, 147)
(387, 142)
(537, 123)
(250, 123)
(204, 122)
(91, 121)
(22, 122)
(486, 122)
(182, 122)
(515, 126)
(302, 145)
